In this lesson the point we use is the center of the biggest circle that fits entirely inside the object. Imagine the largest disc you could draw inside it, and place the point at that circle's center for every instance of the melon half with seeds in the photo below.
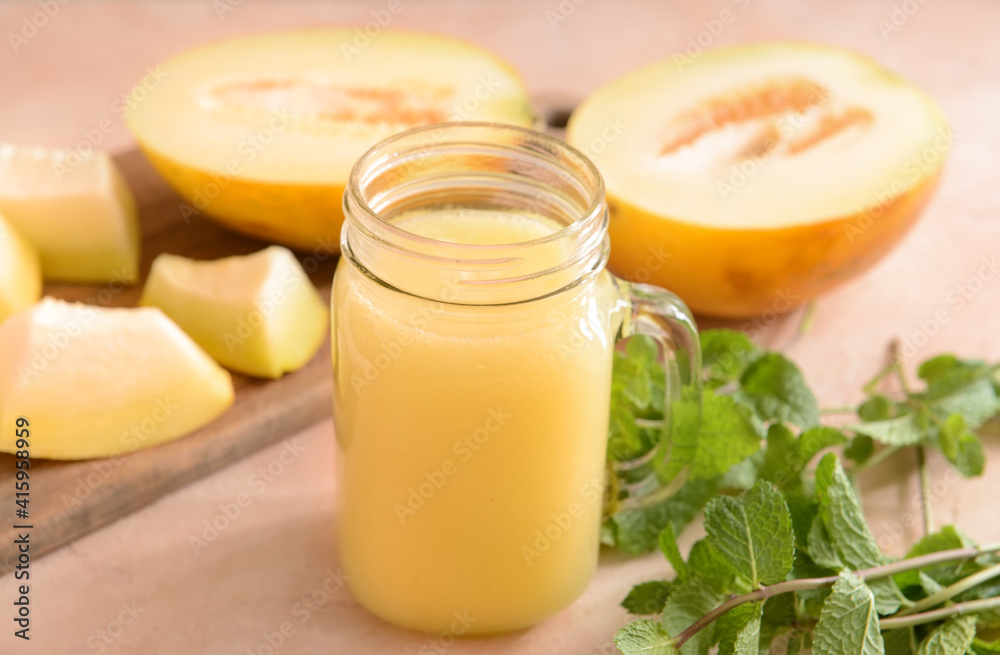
(758, 177)
(260, 132)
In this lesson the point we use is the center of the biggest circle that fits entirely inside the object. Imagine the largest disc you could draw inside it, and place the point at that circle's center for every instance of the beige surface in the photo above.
(250, 578)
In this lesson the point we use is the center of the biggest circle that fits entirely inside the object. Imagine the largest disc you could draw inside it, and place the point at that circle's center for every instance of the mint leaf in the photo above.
(754, 533)
(848, 530)
(686, 423)
(975, 399)
(814, 440)
(647, 598)
(983, 647)
(729, 434)
(860, 449)
(821, 547)
(774, 386)
(961, 446)
(936, 368)
(842, 515)
(848, 623)
(738, 630)
(644, 638)
(670, 550)
(689, 602)
(900, 431)
(708, 564)
(779, 613)
(638, 530)
(970, 460)
(947, 538)
(902, 641)
(725, 354)
(787, 456)
(951, 638)
(878, 407)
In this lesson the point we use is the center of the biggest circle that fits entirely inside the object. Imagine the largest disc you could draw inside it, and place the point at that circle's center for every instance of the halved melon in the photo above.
(759, 176)
(257, 314)
(95, 382)
(260, 132)
(77, 211)
(20, 272)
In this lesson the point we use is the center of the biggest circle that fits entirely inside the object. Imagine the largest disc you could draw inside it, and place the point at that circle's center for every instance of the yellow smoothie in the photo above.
(472, 438)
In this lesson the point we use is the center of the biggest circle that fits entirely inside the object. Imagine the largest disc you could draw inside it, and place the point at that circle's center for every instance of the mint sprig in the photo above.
(788, 554)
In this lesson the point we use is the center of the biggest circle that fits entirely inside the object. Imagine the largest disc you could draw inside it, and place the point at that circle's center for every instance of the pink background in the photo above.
(248, 581)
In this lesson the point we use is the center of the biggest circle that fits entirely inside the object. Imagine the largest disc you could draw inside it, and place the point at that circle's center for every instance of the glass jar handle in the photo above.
(659, 314)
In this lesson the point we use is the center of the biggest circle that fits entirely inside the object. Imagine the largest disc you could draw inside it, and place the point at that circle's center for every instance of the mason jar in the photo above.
(474, 326)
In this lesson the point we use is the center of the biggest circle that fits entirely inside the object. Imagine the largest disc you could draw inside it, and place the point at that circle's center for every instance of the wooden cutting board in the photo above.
(70, 499)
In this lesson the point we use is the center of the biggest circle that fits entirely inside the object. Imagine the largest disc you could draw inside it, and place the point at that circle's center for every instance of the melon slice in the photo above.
(260, 132)
(96, 382)
(757, 177)
(20, 272)
(76, 210)
(257, 314)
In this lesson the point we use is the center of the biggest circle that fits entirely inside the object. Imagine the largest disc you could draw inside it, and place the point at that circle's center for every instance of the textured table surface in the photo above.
(139, 587)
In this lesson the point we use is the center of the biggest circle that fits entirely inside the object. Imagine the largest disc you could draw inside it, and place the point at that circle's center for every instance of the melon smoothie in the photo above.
(473, 331)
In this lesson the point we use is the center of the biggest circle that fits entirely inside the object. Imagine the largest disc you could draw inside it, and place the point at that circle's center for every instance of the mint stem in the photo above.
(958, 609)
(951, 591)
(874, 573)
(925, 490)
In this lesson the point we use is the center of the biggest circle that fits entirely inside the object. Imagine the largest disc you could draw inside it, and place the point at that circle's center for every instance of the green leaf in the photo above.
(670, 550)
(644, 638)
(971, 460)
(754, 533)
(821, 547)
(774, 386)
(842, 515)
(638, 531)
(689, 602)
(900, 431)
(901, 641)
(814, 440)
(947, 538)
(647, 598)
(779, 613)
(953, 428)
(782, 462)
(961, 446)
(787, 456)
(729, 434)
(975, 399)
(708, 564)
(929, 584)
(934, 369)
(878, 407)
(738, 630)
(951, 638)
(848, 624)
(860, 449)
(983, 647)
(725, 354)
(684, 435)
(848, 530)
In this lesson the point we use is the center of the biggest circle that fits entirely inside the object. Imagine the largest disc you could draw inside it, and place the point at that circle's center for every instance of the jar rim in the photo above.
(384, 149)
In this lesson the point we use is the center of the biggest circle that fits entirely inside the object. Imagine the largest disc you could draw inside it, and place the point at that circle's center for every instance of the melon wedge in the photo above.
(757, 177)
(258, 314)
(77, 211)
(20, 272)
(96, 382)
(260, 132)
